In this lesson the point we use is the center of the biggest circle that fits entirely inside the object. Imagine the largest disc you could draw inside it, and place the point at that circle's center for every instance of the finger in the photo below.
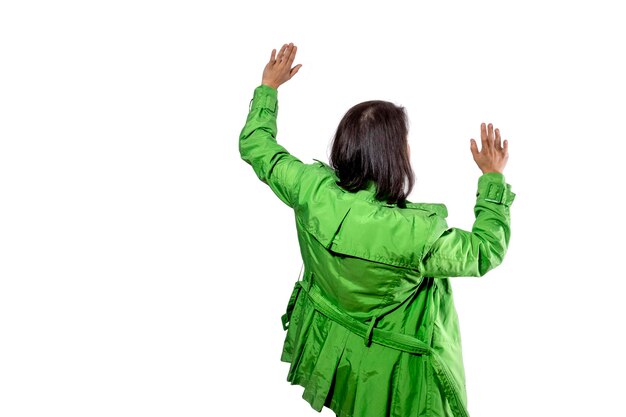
(281, 53)
(474, 147)
(483, 135)
(490, 135)
(287, 56)
(506, 147)
(498, 142)
(295, 70)
(292, 55)
(273, 56)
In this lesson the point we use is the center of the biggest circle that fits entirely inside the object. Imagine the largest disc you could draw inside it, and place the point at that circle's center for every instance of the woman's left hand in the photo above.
(278, 70)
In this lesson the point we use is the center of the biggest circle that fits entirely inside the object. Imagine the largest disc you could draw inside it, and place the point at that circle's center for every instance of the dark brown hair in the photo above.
(371, 144)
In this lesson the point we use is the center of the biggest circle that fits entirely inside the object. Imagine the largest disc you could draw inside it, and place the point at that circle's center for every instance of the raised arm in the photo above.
(271, 162)
(458, 252)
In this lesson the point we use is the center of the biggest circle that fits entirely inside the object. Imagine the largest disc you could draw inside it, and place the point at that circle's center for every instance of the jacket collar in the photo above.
(369, 193)
(371, 187)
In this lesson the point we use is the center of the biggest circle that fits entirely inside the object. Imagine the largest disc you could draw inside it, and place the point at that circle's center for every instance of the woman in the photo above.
(371, 327)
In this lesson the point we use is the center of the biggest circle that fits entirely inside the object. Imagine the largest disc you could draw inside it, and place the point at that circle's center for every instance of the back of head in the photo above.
(371, 144)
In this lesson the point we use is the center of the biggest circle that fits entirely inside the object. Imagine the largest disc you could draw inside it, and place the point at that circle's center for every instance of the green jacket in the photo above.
(371, 327)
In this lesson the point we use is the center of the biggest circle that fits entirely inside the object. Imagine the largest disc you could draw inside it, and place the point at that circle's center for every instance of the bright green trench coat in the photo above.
(372, 330)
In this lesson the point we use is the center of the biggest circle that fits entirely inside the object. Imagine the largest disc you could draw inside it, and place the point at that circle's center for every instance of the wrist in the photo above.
(270, 84)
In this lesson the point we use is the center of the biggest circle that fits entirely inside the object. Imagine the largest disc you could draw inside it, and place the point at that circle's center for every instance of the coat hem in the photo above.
(332, 405)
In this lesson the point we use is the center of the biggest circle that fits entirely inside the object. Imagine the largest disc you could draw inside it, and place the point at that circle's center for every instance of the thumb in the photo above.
(294, 70)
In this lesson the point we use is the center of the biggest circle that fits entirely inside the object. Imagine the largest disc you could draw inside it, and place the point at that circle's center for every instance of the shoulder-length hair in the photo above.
(371, 144)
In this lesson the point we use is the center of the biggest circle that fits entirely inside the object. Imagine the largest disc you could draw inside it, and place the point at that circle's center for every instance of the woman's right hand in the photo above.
(493, 156)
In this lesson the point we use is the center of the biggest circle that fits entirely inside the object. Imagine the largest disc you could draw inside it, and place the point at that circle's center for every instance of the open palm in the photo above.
(278, 70)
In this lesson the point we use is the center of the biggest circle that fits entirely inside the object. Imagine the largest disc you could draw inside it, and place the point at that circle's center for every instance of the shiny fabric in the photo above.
(372, 330)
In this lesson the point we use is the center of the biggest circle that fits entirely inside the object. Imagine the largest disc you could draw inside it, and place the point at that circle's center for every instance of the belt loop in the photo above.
(286, 318)
(300, 275)
(308, 283)
(368, 334)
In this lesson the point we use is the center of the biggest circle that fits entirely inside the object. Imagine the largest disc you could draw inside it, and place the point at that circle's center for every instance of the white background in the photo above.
(144, 268)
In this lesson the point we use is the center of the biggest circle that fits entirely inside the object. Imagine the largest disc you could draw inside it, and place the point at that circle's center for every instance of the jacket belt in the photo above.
(383, 337)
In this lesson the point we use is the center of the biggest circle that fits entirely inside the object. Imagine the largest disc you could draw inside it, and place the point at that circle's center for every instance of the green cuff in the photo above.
(265, 97)
(492, 187)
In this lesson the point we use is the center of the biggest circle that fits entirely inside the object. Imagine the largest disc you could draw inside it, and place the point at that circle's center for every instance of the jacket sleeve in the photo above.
(457, 252)
(271, 162)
